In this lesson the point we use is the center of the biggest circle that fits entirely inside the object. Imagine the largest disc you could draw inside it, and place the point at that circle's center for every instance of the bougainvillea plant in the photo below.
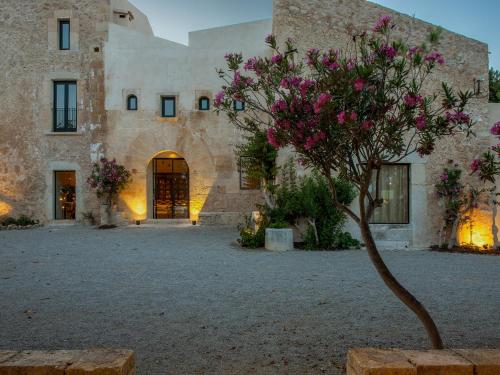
(487, 168)
(346, 113)
(108, 178)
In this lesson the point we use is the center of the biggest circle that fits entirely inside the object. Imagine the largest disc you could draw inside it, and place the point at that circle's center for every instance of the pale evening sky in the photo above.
(173, 19)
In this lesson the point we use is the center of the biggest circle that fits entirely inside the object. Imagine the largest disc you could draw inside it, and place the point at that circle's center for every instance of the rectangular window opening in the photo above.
(168, 106)
(64, 35)
(65, 106)
(394, 188)
(65, 195)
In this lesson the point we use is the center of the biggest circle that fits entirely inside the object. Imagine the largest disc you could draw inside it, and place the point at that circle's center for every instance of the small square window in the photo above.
(168, 106)
(247, 182)
(238, 105)
(204, 104)
(132, 103)
(64, 34)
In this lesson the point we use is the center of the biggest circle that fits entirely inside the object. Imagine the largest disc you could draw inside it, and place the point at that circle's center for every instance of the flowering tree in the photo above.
(487, 167)
(108, 178)
(347, 113)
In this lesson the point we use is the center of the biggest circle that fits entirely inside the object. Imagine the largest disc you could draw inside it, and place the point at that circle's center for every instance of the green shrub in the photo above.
(22, 221)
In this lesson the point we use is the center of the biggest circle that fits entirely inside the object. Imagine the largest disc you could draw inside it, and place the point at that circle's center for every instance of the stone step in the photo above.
(166, 222)
(68, 362)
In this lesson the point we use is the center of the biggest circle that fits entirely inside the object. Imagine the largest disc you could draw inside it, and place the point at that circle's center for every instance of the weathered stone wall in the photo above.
(30, 61)
(326, 23)
(151, 67)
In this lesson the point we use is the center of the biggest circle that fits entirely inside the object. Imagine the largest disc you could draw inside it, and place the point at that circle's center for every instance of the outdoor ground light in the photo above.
(137, 222)
(193, 222)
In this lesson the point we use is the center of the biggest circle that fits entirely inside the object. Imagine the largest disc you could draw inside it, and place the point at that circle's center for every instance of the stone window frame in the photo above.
(53, 30)
(199, 94)
(159, 112)
(48, 113)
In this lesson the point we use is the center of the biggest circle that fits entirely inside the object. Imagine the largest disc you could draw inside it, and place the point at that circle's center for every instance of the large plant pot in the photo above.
(279, 239)
(107, 213)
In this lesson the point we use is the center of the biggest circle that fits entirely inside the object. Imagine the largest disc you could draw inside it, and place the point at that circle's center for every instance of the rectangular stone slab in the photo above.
(371, 361)
(486, 361)
(439, 362)
(68, 362)
(103, 362)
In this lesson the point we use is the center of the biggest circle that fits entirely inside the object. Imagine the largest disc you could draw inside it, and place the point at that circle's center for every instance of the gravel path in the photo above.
(189, 302)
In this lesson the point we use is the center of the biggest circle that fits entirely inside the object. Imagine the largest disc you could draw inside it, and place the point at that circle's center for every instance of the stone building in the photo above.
(86, 79)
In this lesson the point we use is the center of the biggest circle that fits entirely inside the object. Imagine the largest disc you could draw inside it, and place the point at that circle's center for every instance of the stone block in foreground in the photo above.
(68, 362)
(279, 239)
(372, 361)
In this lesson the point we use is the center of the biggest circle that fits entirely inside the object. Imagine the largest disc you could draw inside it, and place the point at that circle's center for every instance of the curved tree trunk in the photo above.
(393, 284)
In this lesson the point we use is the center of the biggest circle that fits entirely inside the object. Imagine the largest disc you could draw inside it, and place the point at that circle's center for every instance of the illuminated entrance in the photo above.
(170, 188)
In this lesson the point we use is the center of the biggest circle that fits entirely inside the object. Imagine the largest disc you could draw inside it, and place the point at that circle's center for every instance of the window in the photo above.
(132, 103)
(394, 190)
(168, 106)
(247, 182)
(65, 195)
(238, 105)
(64, 34)
(65, 107)
(204, 104)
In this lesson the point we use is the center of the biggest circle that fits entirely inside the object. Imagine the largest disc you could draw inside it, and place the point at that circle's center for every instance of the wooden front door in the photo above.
(171, 189)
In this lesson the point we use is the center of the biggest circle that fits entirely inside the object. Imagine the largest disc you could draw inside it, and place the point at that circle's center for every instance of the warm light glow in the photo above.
(477, 232)
(137, 205)
(5, 208)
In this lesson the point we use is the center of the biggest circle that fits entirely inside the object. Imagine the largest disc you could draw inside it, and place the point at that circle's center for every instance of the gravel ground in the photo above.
(189, 302)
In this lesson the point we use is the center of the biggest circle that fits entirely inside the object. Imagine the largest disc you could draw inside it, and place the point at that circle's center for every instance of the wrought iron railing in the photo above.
(65, 119)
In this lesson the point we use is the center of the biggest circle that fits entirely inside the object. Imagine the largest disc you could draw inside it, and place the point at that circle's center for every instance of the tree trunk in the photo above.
(312, 223)
(393, 284)
(453, 235)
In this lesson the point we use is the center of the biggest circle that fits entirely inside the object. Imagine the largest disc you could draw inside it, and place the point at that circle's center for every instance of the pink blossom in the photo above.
(276, 59)
(250, 64)
(279, 106)
(311, 56)
(382, 23)
(495, 130)
(444, 177)
(218, 98)
(350, 64)
(270, 39)
(271, 138)
(341, 117)
(388, 51)
(414, 51)
(458, 118)
(290, 82)
(367, 125)
(353, 116)
(435, 56)
(305, 86)
(475, 165)
(323, 98)
(420, 122)
(412, 101)
(359, 84)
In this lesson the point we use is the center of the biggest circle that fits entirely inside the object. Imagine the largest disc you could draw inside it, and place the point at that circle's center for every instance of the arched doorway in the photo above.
(170, 186)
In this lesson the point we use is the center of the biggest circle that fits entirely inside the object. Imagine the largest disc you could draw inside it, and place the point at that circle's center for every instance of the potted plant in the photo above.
(108, 178)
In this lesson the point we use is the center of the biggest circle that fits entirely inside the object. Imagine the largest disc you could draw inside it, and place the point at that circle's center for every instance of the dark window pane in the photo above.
(239, 105)
(132, 103)
(394, 192)
(65, 106)
(168, 107)
(64, 34)
(204, 104)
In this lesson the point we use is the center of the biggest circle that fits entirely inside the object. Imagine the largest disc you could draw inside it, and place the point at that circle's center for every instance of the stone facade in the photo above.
(327, 24)
(114, 54)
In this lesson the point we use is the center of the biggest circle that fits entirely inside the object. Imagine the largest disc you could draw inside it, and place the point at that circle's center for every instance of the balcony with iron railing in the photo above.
(65, 120)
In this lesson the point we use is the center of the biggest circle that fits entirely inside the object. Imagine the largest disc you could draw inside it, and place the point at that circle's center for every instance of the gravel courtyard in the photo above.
(189, 302)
